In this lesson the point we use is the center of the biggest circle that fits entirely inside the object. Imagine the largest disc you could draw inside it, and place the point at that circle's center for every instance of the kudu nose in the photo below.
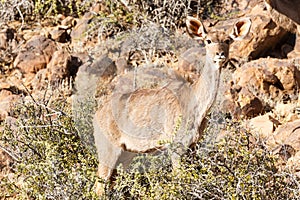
(220, 54)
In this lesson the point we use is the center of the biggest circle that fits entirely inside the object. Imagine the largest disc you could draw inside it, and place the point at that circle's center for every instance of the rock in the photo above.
(60, 35)
(14, 80)
(241, 103)
(241, 5)
(7, 35)
(285, 142)
(285, 110)
(40, 80)
(83, 56)
(99, 72)
(79, 31)
(286, 134)
(250, 105)
(68, 21)
(262, 126)
(263, 81)
(104, 66)
(293, 163)
(7, 100)
(286, 14)
(35, 55)
(263, 37)
(267, 75)
(122, 65)
(8, 44)
(27, 80)
(62, 65)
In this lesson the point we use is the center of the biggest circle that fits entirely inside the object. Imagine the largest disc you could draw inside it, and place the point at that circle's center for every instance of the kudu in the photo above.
(138, 121)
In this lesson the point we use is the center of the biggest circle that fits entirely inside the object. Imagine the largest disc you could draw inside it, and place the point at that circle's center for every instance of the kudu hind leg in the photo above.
(107, 172)
(108, 156)
(108, 160)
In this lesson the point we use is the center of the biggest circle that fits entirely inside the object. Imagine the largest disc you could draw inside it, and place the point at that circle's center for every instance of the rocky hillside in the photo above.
(59, 63)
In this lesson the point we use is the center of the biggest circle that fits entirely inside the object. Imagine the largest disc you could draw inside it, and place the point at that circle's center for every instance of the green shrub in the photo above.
(51, 157)
(66, 7)
(27, 10)
(233, 168)
(116, 16)
(54, 164)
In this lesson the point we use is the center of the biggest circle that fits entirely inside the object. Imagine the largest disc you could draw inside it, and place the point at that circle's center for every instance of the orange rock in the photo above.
(286, 134)
(263, 126)
(35, 55)
(263, 82)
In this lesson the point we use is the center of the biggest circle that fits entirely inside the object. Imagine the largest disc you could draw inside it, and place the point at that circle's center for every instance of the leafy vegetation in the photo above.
(111, 16)
(53, 161)
(117, 16)
(50, 155)
(233, 168)
(38, 9)
(55, 164)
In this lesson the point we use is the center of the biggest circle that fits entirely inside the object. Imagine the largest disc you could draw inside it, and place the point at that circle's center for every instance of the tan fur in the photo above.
(146, 120)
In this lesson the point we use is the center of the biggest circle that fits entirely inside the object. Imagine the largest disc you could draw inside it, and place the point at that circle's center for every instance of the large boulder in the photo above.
(35, 55)
(263, 83)
(286, 14)
(264, 36)
(263, 126)
(62, 65)
(286, 134)
(285, 142)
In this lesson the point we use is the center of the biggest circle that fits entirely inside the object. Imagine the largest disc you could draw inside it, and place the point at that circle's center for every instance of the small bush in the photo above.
(66, 7)
(53, 163)
(52, 160)
(231, 169)
(14, 9)
(117, 16)
(26, 10)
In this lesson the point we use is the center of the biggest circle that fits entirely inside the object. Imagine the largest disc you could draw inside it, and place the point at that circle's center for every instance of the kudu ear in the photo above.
(241, 28)
(195, 28)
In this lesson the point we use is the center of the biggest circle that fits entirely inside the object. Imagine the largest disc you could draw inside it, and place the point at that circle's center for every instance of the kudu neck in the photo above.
(204, 91)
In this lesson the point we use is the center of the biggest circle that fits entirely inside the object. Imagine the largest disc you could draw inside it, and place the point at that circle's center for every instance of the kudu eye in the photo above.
(227, 41)
(208, 41)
